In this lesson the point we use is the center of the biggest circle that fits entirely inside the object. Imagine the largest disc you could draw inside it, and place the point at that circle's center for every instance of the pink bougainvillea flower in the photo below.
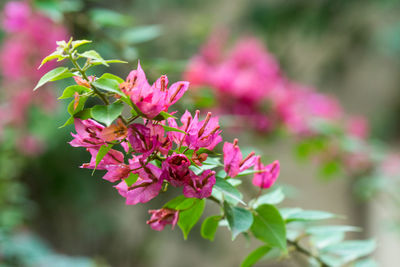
(205, 134)
(163, 142)
(160, 218)
(268, 175)
(147, 186)
(151, 100)
(176, 169)
(357, 126)
(233, 161)
(88, 134)
(146, 140)
(199, 186)
(113, 157)
(117, 172)
(16, 16)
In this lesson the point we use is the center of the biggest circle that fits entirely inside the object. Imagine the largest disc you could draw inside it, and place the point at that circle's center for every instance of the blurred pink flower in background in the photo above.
(30, 36)
(358, 126)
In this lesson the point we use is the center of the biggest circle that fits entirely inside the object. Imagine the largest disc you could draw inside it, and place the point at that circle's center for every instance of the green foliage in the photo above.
(163, 116)
(269, 226)
(54, 75)
(224, 190)
(239, 219)
(189, 217)
(104, 149)
(309, 215)
(70, 91)
(107, 114)
(273, 198)
(255, 256)
(172, 129)
(347, 251)
(210, 226)
(132, 178)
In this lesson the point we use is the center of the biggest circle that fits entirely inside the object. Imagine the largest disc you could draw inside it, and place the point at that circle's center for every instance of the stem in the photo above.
(307, 253)
(83, 73)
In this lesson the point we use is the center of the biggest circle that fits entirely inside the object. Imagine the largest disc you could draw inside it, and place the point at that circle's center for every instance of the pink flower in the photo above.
(147, 139)
(299, 106)
(233, 161)
(88, 134)
(160, 218)
(113, 157)
(147, 186)
(199, 186)
(117, 172)
(16, 16)
(176, 169)
(30, 146)
(151, 100)
(199, 134)
(358, 126)
(268, 176)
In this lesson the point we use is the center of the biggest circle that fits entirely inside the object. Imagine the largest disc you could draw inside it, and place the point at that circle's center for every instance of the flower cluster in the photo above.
(160, 151)
(29, 37)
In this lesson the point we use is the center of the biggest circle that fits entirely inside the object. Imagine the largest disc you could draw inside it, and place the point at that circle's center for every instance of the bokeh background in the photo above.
(347, 48)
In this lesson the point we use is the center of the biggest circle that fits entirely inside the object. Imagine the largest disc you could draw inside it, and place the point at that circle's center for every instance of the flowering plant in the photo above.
(134, 137)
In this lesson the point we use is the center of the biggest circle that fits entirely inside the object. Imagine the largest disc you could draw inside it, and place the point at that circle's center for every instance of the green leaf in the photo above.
(110, 85)
(365, 263)
(310, 215)
(331, 169)
(321, 230)
(50, 76)
(84, 114)
(141, 34)
(112, 77)
(93, 55)
(248, 172)
(55, 55)
(232, 195)
(268, 226)
(286, 212)
(180, 203)
(163, 116)
(172, 129)
(255, 256)
(132, 178)
(102, 152)
(239, 219)
(68, 122)
(209, 227)
(109, 61)
(351, 250)
(273, 198)
(189, 217)
(107, 114)
(77, 43)
(70, 91)
(81, 104)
